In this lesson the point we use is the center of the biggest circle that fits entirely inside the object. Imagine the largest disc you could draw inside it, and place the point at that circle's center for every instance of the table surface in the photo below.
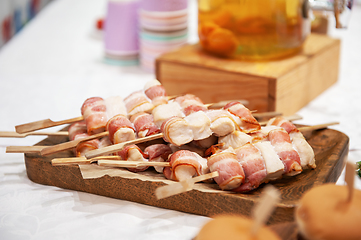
(54, 64)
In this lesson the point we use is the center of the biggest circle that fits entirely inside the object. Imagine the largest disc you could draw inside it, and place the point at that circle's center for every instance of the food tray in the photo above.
(330, 146)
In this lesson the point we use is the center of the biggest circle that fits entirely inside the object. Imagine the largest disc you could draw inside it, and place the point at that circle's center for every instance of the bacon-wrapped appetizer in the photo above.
(231, 174)
(138, 102)
(78, 130)
(156, 92)
(177, 131)
(222, 122)
(120, 129)
(94, 113)
(114, 106)
(281, 142)
(274, 165)
(133, 153)
(253, 166)
(262, 133)
(307, 155)
(189, 103)
(105, 142)
(184, 165)
(246, 120)
(144, 124)
(165, 111)
(206, 143)
(235, 139)
(283, 123)
(158, 153)
(200, 124)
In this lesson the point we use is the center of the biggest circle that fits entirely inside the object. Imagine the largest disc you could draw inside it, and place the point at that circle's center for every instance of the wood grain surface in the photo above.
(330, 146)
(277, 85)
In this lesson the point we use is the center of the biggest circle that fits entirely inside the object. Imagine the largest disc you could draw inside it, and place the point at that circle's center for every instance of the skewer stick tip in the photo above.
(350, 171)
(269, 198)
(182, 186)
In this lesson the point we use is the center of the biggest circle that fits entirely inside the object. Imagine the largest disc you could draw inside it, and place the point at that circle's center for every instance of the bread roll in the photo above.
(232, 227)
(324, 213)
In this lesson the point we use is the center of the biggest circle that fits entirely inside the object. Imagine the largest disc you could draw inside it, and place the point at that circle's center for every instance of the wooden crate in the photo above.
(284, 85)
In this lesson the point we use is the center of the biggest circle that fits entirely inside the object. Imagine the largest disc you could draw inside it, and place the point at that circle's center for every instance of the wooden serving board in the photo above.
(330, 146)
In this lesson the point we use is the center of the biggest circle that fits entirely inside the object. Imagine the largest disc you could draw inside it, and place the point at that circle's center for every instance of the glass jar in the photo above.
(253, 29)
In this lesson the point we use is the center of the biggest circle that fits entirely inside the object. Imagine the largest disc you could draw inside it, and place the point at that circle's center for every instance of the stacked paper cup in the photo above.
(121, 37)
(163, 28)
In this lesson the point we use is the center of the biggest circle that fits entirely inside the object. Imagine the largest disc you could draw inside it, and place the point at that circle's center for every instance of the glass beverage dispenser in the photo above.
(261, 29)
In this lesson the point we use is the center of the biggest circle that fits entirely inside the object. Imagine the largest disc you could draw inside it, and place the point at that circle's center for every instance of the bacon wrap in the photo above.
(231, 174)
(115, 124)
(253, 165)
(86, 146)
(299, 142)
(94, 113)
(193, 108)
(235, 139)
(76, 128)
(248, 122)
(281, 142)
(158, 153)
(176, 131)
(222, 122)
(283, 123)
(190, 103)
(144, 124)
(158, 150)
(105, 142)
(137, 102)
(262, 133)
(115, 105)
(184, 165)
(133, 153)
(164, 111)
(155, 91)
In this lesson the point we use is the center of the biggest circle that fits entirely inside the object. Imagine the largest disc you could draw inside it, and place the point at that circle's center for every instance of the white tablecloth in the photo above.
(49, 68)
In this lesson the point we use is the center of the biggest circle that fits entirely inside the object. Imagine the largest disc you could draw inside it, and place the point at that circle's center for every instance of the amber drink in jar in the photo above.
(253, 29)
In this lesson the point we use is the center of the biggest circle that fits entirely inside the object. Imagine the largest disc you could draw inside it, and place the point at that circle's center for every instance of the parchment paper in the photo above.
(91, 171)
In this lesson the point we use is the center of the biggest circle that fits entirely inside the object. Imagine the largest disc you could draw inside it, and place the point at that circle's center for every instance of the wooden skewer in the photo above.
(221, 104)
(266, 114)
(289, 118)
(80, 160)
(71, 144)
(182, 186)
(22, 135)
(268, 200)
(350, 179)
(317, 127)
(46, 123)
(131, 164)
(110, 149)
(44, 150)
(24, 149)
(120, 146)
